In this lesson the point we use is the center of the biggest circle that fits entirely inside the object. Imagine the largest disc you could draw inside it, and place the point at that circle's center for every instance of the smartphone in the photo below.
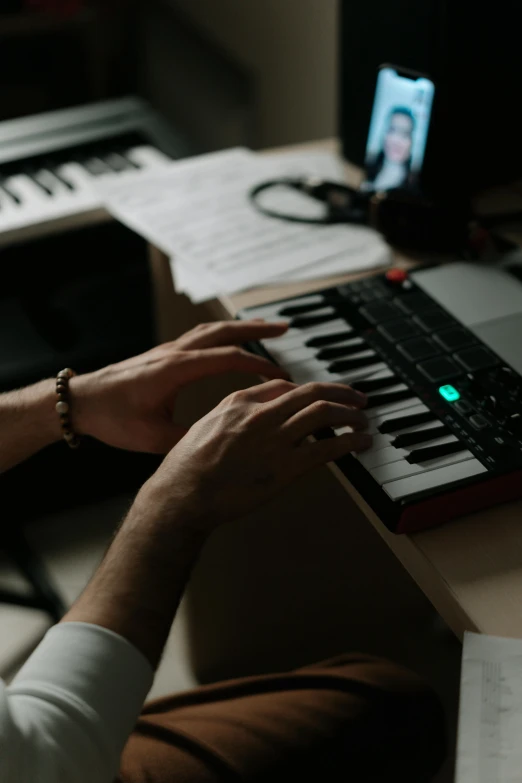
(399, 129)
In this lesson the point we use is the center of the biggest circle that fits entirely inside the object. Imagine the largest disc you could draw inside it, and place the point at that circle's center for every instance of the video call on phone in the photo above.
(398, 130)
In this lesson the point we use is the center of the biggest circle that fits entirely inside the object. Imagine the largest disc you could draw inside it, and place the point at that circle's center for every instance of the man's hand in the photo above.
(251, 445)
(131, 404)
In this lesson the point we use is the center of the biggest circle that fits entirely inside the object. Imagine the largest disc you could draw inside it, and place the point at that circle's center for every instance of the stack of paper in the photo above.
(198, 212)
(490, 719)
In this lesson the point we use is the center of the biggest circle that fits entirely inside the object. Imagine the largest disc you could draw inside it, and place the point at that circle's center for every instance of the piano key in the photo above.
(433, 479)
(8, 195)
(77, 175)
(384, 474)
(318, 317)
(382, 440)
(419, 435)
(30, 195)
(330, 339)
(375, 457)
(348, 348)
(295, 337)
(360, 374)
(393, 407)
(313, 370)
(272, 310)
(418, 456)
(396, 393)
(146, 157)
(363, 359)
(420, 415)
(96, 166)
(307, 305)
(118, 162)
(375, 384)
(50, 182)
(288, 355)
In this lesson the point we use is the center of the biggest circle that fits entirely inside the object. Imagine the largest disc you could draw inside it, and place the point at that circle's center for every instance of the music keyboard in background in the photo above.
(444, 406)
(48, 163)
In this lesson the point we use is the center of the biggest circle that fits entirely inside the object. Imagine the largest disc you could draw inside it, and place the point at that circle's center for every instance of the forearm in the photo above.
(138, 587)
(28, 422)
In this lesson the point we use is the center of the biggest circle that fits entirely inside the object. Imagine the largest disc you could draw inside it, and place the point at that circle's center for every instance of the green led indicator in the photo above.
(449, 393)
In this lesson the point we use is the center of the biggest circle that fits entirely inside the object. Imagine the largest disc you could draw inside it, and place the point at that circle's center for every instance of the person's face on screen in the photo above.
(398, 139)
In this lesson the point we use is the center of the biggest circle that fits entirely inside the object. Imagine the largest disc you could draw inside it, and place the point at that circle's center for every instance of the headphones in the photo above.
(405, 217)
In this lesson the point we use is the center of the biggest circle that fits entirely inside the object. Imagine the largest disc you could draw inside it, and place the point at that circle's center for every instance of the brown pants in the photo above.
(350, 719)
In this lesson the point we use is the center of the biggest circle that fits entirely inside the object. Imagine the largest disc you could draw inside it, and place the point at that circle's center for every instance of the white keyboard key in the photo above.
(286, 356)
(361, 373)
(48, 180)
(30, 195)
(376, 457)
(388, 390)
(402, 469)
(392, 407)
(147, 157)
(312, 300)
(405, 487)
(77, 175)
(311, 370)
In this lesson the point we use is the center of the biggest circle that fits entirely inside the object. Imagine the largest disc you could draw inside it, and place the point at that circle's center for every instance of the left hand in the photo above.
(131, 404)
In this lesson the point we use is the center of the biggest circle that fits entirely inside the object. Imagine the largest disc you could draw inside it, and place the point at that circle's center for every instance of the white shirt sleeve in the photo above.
(67, 715)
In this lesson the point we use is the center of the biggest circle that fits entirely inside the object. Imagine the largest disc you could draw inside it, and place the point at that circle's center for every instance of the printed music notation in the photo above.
(490, 719)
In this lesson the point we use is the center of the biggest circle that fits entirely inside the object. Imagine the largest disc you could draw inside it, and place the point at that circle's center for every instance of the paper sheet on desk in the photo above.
(490, 719)
(197, 211)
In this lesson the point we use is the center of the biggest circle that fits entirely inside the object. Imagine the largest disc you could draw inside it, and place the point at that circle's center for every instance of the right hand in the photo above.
(253, 444)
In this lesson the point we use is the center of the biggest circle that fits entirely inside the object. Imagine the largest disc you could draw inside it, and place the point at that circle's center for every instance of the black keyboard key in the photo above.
(434, 452)
(439, 370)
(305, 321)
(418, 348)
(386, 397)
(433, 320)
(290, 310)
(420, 436)
(453, 339)
(117, 162)
(337, 352)
(477, 358)
(413, 303)
(375, 384)
(401, 422)
(398, 330)
(329, 339)
(378, 312)
(343, 365)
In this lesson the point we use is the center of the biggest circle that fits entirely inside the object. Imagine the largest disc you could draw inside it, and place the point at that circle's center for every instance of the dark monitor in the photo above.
(473, 53)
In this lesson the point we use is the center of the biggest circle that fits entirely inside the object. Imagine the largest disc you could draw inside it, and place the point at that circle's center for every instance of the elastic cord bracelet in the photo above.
(63, 407)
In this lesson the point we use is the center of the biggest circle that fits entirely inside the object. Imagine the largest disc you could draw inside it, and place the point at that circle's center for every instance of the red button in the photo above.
(396, 275)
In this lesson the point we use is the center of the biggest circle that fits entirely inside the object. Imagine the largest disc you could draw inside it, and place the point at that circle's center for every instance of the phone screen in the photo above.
(398, 130)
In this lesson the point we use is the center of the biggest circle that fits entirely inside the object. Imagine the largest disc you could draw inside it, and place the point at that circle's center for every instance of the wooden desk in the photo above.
(470, 569)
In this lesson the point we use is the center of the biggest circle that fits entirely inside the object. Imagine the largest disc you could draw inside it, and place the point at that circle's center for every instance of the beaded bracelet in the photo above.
(63, 407)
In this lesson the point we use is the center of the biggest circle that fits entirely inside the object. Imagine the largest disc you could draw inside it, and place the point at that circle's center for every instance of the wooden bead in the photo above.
(62, 407)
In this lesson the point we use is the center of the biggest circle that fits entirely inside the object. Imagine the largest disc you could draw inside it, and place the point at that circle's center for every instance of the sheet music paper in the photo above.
(198, 212)
(490, 720)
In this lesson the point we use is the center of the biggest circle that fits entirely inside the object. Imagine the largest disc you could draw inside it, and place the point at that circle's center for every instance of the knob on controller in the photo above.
(396, 276)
